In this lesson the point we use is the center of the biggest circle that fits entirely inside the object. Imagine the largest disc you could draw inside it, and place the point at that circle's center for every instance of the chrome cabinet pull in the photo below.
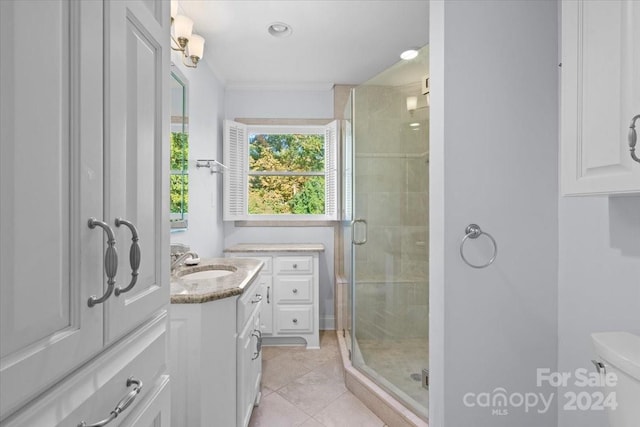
(295, 321)
(633, 138)
(295, 265)
(110, 261)
(134, 255)
(295, 291)
(268, 294)
(353, 231)
(123, 404)
(257, 300)
(258, 343)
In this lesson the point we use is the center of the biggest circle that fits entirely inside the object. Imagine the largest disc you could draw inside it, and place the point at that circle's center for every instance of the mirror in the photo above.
(179, 152)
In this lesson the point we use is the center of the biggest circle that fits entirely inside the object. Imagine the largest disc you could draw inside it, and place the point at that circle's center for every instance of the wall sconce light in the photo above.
(183, 40)
(412, 103)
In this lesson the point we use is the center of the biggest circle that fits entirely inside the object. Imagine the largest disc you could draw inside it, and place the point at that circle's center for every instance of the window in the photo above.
(280, 172)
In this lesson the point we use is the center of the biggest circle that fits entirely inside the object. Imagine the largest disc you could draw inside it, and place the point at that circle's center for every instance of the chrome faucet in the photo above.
(181, 259)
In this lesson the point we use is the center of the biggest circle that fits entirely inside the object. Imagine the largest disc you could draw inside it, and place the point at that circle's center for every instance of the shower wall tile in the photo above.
(416, 209)
(386, 208)
(417, 175)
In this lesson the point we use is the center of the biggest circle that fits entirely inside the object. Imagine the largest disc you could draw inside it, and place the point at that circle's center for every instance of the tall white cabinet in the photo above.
(600, 95)
(84, 132)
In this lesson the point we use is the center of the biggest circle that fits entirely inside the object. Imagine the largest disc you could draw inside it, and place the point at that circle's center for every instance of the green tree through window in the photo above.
(179, 179)
(286, 174)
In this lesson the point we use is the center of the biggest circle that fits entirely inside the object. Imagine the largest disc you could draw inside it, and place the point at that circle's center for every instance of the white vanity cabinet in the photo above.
(600, 94)
(84, 130)
(216, 360)
(290, 287)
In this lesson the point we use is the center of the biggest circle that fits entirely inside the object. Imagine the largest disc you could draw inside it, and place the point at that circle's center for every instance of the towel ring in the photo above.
(473, 231)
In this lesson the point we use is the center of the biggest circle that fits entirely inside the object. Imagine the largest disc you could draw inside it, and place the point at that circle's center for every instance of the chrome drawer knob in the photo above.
(295, 291)
(295, 265)
(295, 321)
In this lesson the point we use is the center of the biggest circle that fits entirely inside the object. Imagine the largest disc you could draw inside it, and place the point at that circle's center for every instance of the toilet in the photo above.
(620, 354)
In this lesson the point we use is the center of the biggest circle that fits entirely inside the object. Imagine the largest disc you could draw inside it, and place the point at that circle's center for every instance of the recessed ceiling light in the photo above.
(279, 29)
(409, 54)
(413, 125)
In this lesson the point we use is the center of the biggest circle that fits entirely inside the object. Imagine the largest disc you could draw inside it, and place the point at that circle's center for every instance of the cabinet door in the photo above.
(136, 154)
(600, 96)
(256, 365)
(266, 309)
(50, 185)
(244, 382)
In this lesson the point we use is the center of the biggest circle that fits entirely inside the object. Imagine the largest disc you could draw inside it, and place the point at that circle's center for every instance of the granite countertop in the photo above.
(195, 291)
(276, 247)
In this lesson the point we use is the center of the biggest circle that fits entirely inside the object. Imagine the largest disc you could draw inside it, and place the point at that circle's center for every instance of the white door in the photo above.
(600, 96)
(136, 152)
(51, 262)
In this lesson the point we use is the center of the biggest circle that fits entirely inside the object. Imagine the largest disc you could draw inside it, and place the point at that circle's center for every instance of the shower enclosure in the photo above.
(386, 230)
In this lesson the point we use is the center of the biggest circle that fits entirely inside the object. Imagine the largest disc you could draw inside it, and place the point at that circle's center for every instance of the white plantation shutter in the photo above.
(235, 178)
(331, 170)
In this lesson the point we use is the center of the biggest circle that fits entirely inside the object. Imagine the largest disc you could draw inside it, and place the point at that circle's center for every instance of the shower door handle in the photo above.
(353, 231)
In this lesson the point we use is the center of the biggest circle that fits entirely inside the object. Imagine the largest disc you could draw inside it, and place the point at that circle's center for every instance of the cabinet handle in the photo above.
(633, 138)
(134, 255)
(295, 321)
(123, 404)
(268, 294)
(110, 261)
(258, 343)
(295, 290)
(295, 265)
(257, 300)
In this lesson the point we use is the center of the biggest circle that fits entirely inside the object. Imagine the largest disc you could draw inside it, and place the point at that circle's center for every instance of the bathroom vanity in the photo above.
(215, 355)
(289, 283)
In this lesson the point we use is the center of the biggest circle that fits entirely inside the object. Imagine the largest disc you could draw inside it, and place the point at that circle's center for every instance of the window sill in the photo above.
(286, 223)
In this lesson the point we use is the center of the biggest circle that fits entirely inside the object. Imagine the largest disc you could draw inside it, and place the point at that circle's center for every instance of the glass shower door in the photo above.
(389, 232)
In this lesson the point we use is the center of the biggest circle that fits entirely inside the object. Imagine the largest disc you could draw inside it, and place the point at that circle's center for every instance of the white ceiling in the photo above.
(333, 41)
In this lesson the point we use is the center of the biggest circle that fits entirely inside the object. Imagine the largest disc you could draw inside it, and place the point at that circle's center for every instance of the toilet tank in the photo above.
(620, 353)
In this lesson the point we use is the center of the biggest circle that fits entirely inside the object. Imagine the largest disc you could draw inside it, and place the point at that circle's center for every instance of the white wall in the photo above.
(315, 103)
(494, 125)
(206, 112)
(287, 104)
(599, 283)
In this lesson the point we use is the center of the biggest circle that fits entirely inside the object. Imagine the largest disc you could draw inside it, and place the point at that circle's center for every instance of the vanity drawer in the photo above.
(249, 301)
(294, 264)
(294, 319)
(294, 289)
(92, 393)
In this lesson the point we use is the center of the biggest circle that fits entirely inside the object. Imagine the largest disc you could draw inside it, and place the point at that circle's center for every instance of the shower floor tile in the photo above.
(397, 361)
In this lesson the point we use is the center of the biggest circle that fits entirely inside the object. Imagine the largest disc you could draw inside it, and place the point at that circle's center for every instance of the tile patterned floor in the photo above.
(306, 388)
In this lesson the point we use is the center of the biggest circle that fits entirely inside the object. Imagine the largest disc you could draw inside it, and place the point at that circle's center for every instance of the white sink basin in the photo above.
(206, 274)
